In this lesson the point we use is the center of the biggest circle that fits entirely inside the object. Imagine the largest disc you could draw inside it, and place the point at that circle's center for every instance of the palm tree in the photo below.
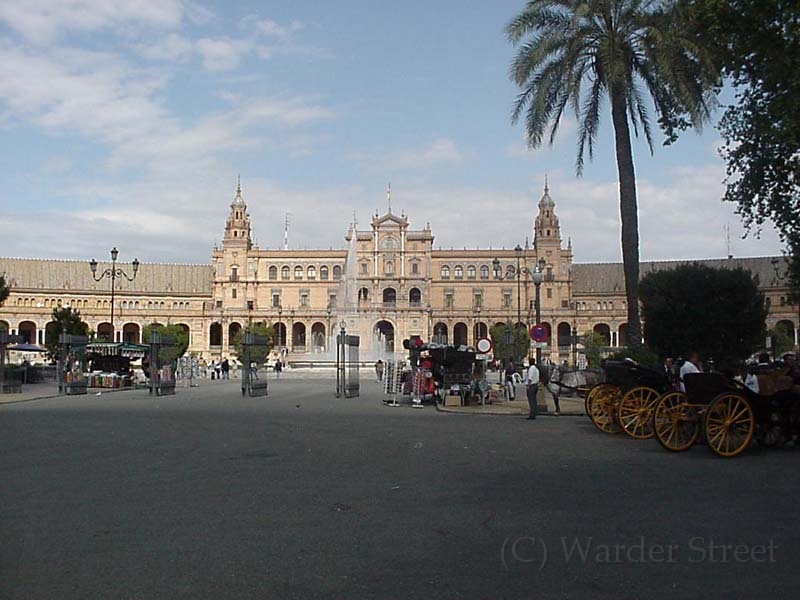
(577, 53)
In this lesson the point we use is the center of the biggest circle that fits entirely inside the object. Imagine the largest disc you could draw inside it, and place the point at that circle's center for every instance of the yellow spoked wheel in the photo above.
(675, 422)
(602, 407)
(729, 425)
(635, 412)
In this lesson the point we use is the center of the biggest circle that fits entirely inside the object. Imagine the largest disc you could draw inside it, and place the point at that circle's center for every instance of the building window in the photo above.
(506, 299)
(415, 268)
(445, 272)
(364, 268)
(484, 272)
(458, 272)
(448, 300)
(218, 304)
(471, 272)
(337, 273)
(311, 272)
(233, 293)
(389, 267)
(323, 273)
(298, 272)
(273, 273)
(234, 273)
(363, 294)
(276, 300)
(284, 272)
(304, 300)
(477, 300)
(332, 300)
(549, 292)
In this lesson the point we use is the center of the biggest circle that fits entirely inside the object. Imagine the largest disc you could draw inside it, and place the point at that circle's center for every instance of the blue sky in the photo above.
(126, 124)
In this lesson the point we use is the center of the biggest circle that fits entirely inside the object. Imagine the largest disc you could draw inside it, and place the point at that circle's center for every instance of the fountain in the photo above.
(373, 343)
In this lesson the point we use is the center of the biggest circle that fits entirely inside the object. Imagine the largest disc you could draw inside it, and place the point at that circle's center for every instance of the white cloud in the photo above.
(441, 151)
(42, 21)
(172, 47)
(221, 54)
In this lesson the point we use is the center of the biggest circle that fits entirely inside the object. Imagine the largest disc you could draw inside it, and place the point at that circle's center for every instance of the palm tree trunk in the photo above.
(628, 212)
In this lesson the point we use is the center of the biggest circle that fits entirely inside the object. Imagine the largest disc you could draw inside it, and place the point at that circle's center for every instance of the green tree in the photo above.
(258, 354)
(781, 340)
(582, 52)
(718, 312)
(168, 354)
(65, 320)
(758, 46)
(593, 345)
(5, 290)
(510, 343)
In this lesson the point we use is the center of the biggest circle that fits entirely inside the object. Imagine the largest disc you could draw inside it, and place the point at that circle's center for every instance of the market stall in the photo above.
(110, 363)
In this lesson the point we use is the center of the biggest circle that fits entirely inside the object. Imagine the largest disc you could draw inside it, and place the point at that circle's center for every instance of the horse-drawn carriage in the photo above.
(727, 415)
(627, 398)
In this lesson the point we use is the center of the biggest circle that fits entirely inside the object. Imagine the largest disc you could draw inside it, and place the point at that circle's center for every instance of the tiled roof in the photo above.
(33, 274)
(602, 278)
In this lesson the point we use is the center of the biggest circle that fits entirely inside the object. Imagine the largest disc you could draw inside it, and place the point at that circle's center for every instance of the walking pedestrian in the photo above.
(532, 388)
(511, 389)
(278, 368)
(226, 369)
(379, 369)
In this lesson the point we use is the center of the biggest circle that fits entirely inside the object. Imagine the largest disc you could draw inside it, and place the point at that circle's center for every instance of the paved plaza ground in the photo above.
(209, 494)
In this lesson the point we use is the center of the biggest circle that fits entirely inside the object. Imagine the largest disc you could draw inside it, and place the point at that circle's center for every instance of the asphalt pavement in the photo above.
(209, 494)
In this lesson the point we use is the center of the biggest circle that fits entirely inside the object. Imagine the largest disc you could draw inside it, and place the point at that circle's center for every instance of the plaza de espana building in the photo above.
(405, 285)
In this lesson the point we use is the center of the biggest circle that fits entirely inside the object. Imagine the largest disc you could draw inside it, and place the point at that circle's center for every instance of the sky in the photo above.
(127, 124)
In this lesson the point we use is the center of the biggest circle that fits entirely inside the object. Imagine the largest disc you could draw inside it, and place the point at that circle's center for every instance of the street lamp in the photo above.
(113, 273)
(328, 332)
(537, 281)
(290, 331)
(517, 272)
(280, 327)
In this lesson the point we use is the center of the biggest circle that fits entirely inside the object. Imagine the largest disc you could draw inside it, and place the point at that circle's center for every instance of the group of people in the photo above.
(217, 370)
(546, 375)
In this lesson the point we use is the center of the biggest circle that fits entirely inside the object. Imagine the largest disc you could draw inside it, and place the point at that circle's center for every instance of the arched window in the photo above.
(445, 272)
(471, 272)
(389, 267)
(323, 273)
(311, 272)
(484, 272)
(284, 272)
(337, 273)
(458, 272)
(363, 294)
(298, 272)
(273, 272)
(414, 297)
(389, 297)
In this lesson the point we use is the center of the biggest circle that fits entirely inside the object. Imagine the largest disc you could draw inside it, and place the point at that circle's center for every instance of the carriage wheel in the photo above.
(675, 422)
(602, 408)
(635, 412)
(729, 424)
(595, 389)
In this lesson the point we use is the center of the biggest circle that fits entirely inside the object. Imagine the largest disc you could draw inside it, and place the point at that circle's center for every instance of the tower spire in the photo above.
(238, 185)
(546, 187)
(389, 195)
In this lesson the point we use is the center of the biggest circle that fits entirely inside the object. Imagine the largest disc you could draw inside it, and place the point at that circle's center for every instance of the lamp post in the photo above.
(280, 327)
(113, 273)
(290, 331)
(537, 281)
(475, 332)
(328, 332)
(517, 272)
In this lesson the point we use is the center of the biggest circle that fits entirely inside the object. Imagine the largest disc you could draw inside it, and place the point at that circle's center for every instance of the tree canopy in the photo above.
(579, 54)
(258, 354)
(717, 312)
(168, 354)
(510, 343)
(5, 290)
(65, 320)
(758, 47)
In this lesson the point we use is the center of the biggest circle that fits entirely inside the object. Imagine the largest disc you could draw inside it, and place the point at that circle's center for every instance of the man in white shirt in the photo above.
(690, 366)
(532, 387)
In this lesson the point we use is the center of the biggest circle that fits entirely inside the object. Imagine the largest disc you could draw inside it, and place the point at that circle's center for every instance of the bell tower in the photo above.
(237, 227)
(546, 230)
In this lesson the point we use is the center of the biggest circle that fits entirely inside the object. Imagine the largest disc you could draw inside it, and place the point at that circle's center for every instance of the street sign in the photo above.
(483, 356)
(484, 345)
(539, 344)
(538, 333)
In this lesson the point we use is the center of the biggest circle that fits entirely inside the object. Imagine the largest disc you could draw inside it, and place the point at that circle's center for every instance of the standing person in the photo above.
(553, 385)
(532, 387)
(668, 367)
(218, 370)
(379, 369)
(226, 369)
(511, 389)
(212, 369)
(692, 365)
(278, 368)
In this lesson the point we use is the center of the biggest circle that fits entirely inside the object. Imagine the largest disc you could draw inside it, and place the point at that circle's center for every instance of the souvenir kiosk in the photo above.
(110, 363)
